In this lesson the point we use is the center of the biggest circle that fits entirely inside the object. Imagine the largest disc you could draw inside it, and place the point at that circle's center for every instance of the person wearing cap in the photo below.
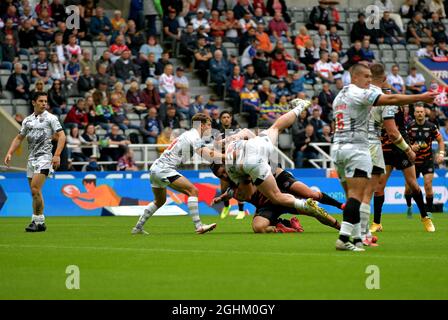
(249, 53)
(281, 89)
(72, 70)
(197, 106)
(171, 28)
(278, 65)
(180, 80)
(200, 20)
(319, 15)
(210, 105)
(250, 101)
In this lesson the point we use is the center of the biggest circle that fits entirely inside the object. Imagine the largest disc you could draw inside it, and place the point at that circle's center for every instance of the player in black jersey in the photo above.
(395, 158)
(421, 135)
(267, 217)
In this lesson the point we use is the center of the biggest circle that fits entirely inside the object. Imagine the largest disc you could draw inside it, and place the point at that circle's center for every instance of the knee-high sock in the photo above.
(377, 208)
(149, 211)
(429, 202)
(418, 198)
(408, 198)
(365, 216)
(326, 199)
(193, 207)
(350, 219)
(241, 206)
(226, 203)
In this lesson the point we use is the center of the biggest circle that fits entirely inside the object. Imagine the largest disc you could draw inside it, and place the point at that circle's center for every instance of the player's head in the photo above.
(219, 171)
(419, 112)
(40, 102)
(378, 74)
(361, 75)
(202, 122)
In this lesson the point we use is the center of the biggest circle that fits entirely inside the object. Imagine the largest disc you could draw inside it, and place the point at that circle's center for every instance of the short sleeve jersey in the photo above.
(377, 116)
(181, 149)
(39, 130)
(351, 110)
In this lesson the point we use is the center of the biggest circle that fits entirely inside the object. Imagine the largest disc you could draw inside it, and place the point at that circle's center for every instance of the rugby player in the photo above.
(163, 172)
(421, 135)
(39, 128)
(350, 151)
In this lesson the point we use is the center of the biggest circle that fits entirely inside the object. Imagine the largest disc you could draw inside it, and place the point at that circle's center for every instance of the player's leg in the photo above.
(408, 197)
(38, 220)
(241, 212)
(351, 224)
(429, 191)
(411, 180)
(378, 200)
(151, 208)
(300, 189)
(365, 205)
(182, 184)
(270, 190)
(226, 210)
(262, 225)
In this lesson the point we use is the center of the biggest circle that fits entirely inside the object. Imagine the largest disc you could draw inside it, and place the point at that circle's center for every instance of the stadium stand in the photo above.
(272, 49)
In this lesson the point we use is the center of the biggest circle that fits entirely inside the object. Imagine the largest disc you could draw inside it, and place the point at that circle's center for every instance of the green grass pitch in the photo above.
(229, 263)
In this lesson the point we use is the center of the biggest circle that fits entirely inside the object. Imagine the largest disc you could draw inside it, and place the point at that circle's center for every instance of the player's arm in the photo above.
(15, 144)
(57, 154)
(395, 136)
(441, 154)
(402, 99)
(211, 155)
(85, 205)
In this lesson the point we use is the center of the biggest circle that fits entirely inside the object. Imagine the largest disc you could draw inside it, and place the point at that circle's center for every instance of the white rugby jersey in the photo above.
(181, 149)
(39, 130)
(351, 111)
(377, 117)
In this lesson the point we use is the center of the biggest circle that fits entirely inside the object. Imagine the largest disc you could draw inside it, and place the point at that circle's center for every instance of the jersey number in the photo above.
(340, 121)
(172, 144)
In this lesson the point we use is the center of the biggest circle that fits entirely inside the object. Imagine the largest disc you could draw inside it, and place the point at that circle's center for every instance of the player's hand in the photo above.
(216, 200)
(8, 159)
(410, 154)
(439, 158)
(56, 162)
(415, 147)
(428, 97)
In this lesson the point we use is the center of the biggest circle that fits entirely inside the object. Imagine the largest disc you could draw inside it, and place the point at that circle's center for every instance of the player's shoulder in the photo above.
(430, 124)
(28, 119)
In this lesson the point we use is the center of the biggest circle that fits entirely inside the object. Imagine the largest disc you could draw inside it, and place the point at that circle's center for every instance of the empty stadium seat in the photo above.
(8, 108)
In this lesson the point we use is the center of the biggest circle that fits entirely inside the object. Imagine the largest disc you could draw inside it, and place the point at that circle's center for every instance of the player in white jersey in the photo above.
(350, 151)
(39, 128)
(163, 172)
(255, 159)
(380, 117)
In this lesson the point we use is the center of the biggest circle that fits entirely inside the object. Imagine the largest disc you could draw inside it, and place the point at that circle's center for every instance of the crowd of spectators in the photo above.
(274, 62)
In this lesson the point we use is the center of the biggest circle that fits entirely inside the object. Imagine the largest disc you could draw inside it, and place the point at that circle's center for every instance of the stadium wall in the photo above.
(123, 193)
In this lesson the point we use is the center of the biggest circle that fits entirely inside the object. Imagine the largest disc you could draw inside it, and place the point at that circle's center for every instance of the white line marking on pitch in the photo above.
(216, 251)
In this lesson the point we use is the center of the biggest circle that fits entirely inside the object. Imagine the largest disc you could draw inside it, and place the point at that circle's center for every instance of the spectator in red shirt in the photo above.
(279, 67)
(150, 95)
(217, 27)
(235, 85)
(118, 48)
(77, 116)
(279, 29)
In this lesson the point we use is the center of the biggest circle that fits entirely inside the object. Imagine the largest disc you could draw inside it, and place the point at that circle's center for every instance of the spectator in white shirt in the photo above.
(415, 82)
(336, 67)
(200, 20)
(322, 68)
(166, 81)
(180, 80)
(428, 51)
(396, 81)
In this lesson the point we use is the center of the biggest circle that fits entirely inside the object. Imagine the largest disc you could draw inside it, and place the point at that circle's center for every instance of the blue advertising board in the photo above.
(84, 194)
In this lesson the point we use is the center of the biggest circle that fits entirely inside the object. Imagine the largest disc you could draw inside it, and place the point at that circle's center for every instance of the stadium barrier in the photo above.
(125, 193)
